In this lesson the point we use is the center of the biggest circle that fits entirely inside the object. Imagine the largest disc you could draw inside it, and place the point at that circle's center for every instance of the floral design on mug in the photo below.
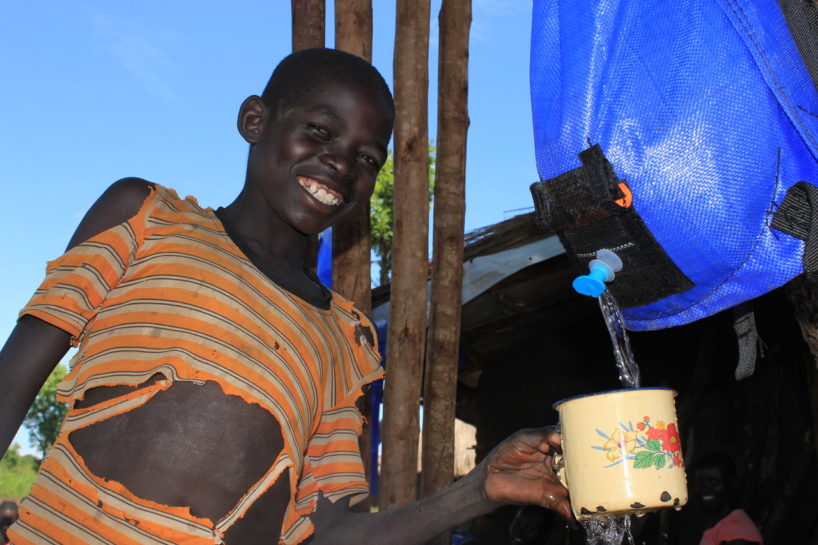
(646, 444)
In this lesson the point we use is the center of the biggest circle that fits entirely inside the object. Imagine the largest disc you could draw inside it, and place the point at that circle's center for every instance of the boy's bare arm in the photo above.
(35, 347)
(32, 351)
(518, 471)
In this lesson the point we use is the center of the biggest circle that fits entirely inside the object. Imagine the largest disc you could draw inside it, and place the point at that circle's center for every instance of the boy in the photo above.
(714, 478)
(212, 395)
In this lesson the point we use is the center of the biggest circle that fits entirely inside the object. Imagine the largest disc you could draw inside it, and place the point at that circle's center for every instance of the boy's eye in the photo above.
(370, 160)
(320, 131)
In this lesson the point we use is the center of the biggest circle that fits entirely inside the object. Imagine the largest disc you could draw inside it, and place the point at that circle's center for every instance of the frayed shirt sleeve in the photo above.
(77, 283)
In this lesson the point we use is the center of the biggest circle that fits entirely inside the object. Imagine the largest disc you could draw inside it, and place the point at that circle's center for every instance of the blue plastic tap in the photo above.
(602, 270)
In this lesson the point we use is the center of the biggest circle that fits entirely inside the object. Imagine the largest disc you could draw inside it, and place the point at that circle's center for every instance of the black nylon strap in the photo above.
(581, 206)
(798, 216)
(802, 20)
(750, 345)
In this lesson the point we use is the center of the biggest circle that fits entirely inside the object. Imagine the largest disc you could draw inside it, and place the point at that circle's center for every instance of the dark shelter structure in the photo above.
(530, 340)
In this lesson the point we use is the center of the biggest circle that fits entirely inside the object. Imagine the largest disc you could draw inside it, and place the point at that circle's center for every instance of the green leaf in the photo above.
(659, 461)
(643, 459)
(654, 445)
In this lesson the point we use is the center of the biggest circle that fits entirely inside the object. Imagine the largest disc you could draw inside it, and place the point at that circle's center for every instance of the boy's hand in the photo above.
(521, 470)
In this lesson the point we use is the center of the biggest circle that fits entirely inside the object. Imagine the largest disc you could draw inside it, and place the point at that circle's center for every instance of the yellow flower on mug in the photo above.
(617, 446)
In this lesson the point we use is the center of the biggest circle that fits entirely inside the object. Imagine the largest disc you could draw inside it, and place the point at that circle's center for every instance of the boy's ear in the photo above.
(252, 116)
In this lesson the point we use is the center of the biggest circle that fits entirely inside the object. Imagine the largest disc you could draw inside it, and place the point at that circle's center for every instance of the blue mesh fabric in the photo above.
(706, 109)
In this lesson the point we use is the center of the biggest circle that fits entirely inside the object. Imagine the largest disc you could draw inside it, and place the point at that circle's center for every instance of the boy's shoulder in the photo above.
(124, 197)
(117, 204)
(130, 195)
(130, 188)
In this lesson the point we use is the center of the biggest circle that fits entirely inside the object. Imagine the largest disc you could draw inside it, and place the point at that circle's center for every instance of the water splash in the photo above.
(607, 530)
(625, 363)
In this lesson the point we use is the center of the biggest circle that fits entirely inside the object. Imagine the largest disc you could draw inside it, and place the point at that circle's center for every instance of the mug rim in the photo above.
(593, 394)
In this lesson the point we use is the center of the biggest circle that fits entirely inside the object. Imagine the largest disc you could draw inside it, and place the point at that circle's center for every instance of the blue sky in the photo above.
(93, 91)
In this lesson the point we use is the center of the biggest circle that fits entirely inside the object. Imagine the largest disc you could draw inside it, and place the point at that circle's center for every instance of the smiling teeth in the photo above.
(321, 195)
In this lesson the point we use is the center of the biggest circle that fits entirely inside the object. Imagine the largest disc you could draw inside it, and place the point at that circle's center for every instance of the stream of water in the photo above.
(628, 370)
(611, 530)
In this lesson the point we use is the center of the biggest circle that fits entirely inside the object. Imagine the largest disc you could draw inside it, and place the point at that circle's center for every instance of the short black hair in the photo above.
(8, 505)
(303, 71)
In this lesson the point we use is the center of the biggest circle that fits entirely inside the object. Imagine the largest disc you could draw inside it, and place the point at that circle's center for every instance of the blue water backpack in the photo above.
(684, 137)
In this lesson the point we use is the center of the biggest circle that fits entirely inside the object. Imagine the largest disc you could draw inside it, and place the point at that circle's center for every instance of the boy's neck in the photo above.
(255, 228)
(277, 250)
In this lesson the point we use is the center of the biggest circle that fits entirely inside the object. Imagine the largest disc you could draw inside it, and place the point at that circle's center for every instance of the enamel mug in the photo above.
(621, 452)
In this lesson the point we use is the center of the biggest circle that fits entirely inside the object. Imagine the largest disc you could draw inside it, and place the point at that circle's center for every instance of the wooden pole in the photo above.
(308, 23)
(410, 256)
(308, 32)
(351, 244)
(353, 27)
(351, 241)
(443, 342)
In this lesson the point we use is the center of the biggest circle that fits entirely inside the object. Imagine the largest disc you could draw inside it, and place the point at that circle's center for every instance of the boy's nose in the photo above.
(339, 163)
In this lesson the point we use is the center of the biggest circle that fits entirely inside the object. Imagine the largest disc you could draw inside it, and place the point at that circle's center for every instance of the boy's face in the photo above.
(708, 483)
(316, 161)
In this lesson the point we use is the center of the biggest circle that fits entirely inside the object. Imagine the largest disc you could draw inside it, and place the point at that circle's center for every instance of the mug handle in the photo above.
(559, 468)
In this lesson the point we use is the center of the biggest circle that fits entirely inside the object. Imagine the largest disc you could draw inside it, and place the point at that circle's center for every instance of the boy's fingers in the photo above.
(564, 510)
(549, 440)
(557, 500)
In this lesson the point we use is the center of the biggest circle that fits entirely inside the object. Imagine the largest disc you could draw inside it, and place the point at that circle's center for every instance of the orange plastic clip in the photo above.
(627, 200)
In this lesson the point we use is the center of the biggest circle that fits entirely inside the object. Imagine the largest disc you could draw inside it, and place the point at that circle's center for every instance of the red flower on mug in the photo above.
(677, 459)
(655, 434)
(671, 441)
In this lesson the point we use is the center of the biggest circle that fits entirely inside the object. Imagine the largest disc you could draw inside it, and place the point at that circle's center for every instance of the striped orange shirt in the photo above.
(169, 292)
